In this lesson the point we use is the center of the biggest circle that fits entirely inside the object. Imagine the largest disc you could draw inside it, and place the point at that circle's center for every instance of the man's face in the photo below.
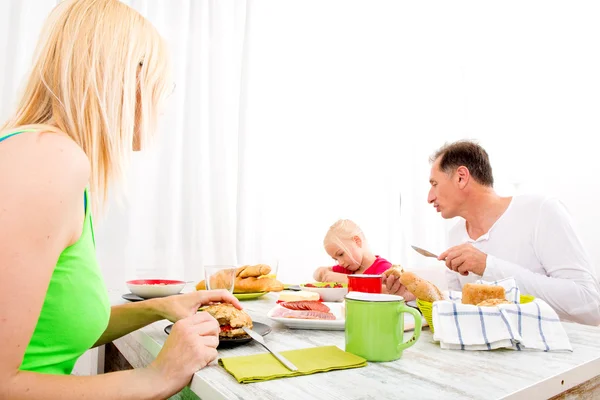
(445, 194)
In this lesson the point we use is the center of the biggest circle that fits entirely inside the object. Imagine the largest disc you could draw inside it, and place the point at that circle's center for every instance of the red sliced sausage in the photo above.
(305, 305)
(302, 314)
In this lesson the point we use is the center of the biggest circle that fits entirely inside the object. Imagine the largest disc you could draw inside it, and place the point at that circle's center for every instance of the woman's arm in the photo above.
(130, 317)
(41, 213)
(127, 318)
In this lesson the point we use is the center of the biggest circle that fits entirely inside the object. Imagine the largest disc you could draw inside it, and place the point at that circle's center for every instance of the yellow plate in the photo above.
(249, 296)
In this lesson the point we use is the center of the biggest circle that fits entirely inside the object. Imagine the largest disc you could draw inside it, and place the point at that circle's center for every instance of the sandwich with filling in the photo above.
(231, 320)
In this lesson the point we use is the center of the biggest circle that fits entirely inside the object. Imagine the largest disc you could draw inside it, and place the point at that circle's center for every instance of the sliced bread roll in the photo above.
(475, 293)
(421, 288)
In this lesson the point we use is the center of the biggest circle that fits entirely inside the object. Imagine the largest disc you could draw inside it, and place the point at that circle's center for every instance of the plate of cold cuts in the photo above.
(309, 315)
(319, 315)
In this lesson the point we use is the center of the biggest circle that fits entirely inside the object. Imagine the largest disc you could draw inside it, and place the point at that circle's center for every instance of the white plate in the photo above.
(337, 324)
(331, 325)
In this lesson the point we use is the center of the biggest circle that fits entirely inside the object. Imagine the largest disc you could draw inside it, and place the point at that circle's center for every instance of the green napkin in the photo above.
(264, 367)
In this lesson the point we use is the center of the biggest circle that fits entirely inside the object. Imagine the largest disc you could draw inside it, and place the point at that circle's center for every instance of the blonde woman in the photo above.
(99, 79)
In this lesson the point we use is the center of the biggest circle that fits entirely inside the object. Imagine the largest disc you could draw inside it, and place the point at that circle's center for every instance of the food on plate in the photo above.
(248, 271)
(282, 312)
(231, 320)
(250, 279)
(253, 285)
(335, 285)
(475, 293)
(328, 291)
(493, 302)
(421, 288)
(298, 296)
(305, 305)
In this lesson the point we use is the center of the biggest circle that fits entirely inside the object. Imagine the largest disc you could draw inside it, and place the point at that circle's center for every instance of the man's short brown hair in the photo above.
(469, 154)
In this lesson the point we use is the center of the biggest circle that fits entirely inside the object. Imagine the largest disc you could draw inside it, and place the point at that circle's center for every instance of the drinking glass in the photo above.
(220, 277)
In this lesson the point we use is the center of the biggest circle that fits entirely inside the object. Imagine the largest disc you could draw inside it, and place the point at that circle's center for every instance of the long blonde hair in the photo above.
(100, 74)
(341, 232)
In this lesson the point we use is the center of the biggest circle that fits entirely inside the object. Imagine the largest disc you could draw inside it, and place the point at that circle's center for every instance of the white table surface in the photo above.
(424, 372)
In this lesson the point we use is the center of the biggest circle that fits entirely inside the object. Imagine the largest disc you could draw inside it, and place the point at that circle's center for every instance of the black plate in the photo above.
(261, 329)
(132, 297)
(135, 297)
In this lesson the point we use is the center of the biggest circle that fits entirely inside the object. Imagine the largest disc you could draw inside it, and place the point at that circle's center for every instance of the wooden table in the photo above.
(424, 372)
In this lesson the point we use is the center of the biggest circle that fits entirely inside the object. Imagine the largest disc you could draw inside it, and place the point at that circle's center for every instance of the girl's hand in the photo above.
(331, 276)
(320, 273)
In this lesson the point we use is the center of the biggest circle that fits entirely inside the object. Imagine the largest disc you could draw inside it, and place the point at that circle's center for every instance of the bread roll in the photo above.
(493, 302)
(246, 280)
(221, 280)
(248, 271)
(421, 288)
(251, 285)
(475, 293)
(254, 285)
(395, 270)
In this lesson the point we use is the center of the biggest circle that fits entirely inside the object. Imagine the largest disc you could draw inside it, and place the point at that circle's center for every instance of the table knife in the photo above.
(278, 356)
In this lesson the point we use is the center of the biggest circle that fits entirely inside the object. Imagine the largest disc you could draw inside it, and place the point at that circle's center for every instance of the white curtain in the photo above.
(289, 115)
(20, 25)
(180, 210)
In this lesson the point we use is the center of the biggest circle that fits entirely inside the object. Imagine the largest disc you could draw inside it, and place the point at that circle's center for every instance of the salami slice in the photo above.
(302, 314)
(305, 305)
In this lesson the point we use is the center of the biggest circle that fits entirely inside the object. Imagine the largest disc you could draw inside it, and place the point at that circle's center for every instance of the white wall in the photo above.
(522, 77)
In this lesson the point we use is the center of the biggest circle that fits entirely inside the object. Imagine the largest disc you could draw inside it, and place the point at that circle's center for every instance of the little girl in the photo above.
(346, 244)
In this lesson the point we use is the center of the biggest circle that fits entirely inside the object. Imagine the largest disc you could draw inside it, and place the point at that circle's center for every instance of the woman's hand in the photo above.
(191, 346)
(182, 306)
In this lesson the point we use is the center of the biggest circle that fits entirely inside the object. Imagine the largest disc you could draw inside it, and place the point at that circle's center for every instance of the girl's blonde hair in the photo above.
(100, 74)
(343, 229)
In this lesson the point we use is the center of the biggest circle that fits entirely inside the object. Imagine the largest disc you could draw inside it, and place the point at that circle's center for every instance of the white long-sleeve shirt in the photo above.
(535, 242)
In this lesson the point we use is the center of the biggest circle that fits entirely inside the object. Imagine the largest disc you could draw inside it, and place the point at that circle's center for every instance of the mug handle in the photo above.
(418, 322)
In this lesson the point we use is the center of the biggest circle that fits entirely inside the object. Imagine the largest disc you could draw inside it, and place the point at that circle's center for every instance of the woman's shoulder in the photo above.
(43, 155)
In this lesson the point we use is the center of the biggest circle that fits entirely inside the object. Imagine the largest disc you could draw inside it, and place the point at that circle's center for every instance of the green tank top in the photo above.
(76, 308)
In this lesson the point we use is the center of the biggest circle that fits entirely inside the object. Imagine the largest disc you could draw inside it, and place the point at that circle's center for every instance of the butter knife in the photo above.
(424, 252)
(278, 356)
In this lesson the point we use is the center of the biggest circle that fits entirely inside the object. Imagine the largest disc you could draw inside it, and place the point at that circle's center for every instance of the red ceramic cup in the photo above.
(364, 283)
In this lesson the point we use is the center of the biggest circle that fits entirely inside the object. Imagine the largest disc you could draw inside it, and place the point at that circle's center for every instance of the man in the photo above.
(528, 237)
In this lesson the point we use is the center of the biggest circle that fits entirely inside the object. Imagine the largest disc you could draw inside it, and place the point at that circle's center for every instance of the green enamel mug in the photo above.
(375, 326)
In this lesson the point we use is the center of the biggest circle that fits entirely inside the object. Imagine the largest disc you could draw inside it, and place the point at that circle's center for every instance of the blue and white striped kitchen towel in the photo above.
(530, 326)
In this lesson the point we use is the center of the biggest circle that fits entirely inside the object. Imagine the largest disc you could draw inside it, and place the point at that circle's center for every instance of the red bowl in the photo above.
(155, 282)
(150, 288)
